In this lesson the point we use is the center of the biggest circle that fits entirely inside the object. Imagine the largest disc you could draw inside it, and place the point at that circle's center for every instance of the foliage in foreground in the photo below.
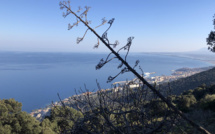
(14, 121)
(197, 103)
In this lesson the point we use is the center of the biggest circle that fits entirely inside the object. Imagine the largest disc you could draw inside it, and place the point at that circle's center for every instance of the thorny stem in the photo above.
(170, 105)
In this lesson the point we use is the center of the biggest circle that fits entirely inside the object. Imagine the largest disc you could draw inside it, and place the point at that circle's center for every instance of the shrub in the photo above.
(208, 102)
(185, 102)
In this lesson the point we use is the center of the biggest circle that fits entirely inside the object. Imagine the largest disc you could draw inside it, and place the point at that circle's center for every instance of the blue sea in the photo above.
(34, 79)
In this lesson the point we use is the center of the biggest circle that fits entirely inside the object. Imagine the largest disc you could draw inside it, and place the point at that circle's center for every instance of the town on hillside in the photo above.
(118, 86)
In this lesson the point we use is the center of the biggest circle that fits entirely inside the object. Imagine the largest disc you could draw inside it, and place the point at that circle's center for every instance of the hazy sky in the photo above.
(157, 25)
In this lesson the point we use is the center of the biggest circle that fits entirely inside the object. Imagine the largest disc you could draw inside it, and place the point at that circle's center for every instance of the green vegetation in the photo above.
(61, 119)
(13, 120)
(197, 103)
(130, 111)
(141, 104)
(191, 82)
(205, 97)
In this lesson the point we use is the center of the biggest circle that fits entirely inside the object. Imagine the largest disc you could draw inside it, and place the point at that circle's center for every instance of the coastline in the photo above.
(29, 65)
(39, 114)
(51, 73)
(176, 74)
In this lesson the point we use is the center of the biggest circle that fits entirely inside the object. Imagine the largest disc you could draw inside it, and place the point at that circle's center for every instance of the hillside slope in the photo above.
(191, 82)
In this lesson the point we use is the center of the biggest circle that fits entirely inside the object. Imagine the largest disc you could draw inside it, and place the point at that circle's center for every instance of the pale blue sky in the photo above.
(157, 25)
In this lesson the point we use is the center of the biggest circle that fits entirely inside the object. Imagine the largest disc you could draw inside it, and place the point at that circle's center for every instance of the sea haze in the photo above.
(34, 79)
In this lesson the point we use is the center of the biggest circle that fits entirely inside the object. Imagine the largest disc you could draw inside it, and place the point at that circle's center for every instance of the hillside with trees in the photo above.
(197, 103)
(130, 104)
(191, 82)
(13, 120)
(145, 108)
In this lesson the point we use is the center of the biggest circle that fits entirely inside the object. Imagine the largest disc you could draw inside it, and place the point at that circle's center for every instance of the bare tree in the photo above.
(124, 66)
(123, 110)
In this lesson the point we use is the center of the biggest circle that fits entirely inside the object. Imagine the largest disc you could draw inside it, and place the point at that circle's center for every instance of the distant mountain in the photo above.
(203, 50)
(191, 82)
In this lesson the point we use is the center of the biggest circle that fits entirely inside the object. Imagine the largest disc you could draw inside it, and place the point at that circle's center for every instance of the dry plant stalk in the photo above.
(125, 68)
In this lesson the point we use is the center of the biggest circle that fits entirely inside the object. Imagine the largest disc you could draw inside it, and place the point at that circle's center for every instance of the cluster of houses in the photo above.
(119, 86)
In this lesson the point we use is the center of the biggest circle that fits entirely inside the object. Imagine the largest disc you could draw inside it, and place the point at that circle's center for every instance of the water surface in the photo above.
(35, 78)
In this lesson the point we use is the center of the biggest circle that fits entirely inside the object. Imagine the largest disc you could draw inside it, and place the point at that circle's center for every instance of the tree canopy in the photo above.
(13, 120)
(211, 39)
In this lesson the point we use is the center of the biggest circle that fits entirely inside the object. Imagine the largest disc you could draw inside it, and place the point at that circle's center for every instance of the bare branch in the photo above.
(104, 39)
